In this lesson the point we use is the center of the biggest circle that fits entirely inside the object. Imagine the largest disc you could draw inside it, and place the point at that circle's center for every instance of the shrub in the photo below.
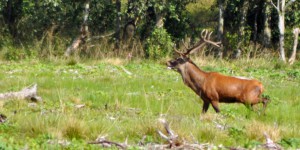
(158, 44)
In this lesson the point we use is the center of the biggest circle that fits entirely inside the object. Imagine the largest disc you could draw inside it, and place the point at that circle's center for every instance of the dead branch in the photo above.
(100, 37)
(106, 143)
(173, 142)
(172, 138)
(29, 93)
(270, 145)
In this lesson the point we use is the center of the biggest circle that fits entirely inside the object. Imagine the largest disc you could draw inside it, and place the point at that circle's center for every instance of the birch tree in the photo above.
(293, 56)
(221, 5)
(280, 7)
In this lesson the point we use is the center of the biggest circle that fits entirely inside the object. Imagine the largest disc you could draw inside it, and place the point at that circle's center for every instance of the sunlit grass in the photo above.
(121, 104)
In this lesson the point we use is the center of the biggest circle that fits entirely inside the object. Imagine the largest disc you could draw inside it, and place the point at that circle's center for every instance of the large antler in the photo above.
(205, 38)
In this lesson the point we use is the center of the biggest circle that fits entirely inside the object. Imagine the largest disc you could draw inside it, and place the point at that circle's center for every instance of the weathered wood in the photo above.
(270, 144)
(173, 144)
(106, 143)
(29, 93)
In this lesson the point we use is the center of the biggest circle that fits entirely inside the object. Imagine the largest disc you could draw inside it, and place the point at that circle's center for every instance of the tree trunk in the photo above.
(80, 41)
(118, 24)
(267, 30)
(281, 27)
(281, 7)
(242, 24)
(12, 13)
(296, 35)
(221, 4)
(160, 15)
(159, 19)
(129, 28)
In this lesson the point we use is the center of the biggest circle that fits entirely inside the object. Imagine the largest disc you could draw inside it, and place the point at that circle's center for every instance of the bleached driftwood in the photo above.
(172, 138)
(270, 144)
(29, 93)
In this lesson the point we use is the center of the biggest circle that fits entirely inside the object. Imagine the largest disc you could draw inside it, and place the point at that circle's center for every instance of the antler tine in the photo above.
(209, 35)
(206, 38)
(178, 52)
(203, 33)
(184, 44)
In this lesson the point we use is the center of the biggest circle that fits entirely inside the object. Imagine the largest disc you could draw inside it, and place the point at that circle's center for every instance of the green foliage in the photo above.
(290, 142)
(233, 40)
(159, 44)
(50, 25)
(18, 54)
(202, 14)
(292, 15)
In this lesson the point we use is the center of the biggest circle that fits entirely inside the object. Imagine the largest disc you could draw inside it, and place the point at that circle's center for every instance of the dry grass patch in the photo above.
(74, 128)
(256, 129)
(115, 61)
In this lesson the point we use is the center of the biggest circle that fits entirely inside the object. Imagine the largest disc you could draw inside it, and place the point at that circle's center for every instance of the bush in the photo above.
(158, 44)
(16, 54)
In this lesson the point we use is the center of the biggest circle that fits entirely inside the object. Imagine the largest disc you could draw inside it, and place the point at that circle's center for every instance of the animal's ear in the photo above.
(186, 58)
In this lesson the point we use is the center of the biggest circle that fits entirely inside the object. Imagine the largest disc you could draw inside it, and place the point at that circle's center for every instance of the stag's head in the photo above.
(178, 62)
(183, 58)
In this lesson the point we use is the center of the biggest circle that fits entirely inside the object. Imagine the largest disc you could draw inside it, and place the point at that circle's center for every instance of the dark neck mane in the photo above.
(192, 75)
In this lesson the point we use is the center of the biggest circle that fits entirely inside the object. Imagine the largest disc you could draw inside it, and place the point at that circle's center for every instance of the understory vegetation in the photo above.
(84, 99)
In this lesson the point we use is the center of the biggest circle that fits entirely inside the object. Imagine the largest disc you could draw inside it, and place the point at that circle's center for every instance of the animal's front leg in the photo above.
(205, 107)
(265, 101)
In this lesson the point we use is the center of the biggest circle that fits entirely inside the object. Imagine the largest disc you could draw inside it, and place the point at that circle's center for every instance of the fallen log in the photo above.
(29, 93)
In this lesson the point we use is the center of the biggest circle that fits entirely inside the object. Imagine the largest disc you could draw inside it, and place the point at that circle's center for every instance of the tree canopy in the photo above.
(26, 23)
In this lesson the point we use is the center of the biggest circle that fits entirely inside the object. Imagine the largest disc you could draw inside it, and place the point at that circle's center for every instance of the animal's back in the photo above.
(231, 89)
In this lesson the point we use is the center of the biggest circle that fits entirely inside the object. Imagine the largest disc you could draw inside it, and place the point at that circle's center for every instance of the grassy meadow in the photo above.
(125, 99)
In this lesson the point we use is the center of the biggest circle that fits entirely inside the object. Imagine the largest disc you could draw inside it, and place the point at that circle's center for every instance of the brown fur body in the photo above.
(214, 87)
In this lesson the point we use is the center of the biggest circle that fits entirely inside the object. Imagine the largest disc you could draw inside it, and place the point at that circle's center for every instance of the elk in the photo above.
(212, 87)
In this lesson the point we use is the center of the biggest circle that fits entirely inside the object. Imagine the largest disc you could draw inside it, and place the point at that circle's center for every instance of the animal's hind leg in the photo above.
(215, 104)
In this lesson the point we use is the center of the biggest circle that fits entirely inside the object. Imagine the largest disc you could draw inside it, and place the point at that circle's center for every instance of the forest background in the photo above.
(99, 66)
(147, 28)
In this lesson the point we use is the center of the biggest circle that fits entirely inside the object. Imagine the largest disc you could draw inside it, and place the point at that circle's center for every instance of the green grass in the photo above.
(121, 105)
